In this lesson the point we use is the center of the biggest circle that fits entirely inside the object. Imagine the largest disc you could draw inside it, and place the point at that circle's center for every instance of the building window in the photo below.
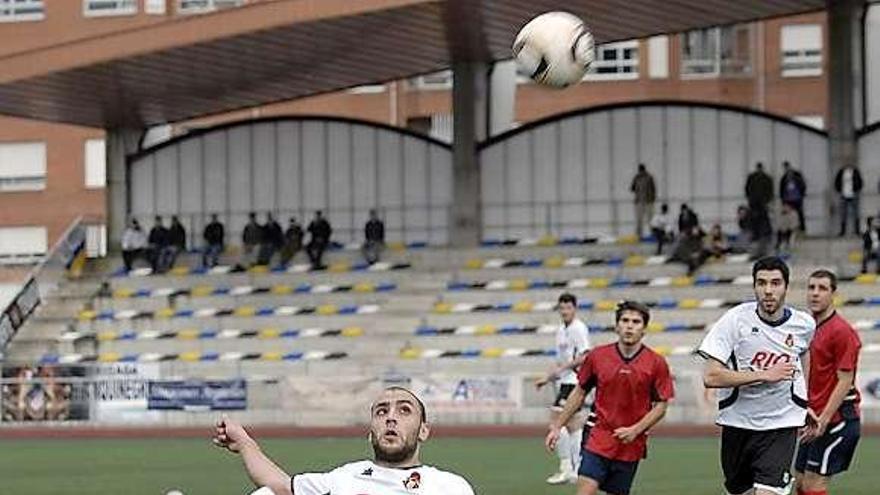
(96, 241)
(199, 6)
(437, 80)
(22, 166)
(101, 8)
(615, 61)
(22, 244)
(95, 158)
(719, 51)
(801, 50)
(154, 7)
(658, 57)
(21, 10)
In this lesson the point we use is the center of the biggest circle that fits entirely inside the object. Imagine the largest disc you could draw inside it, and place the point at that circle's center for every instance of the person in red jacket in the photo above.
(633, 387)
(829, 443)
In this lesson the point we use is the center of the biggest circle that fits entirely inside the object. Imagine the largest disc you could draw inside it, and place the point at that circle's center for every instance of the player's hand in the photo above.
(230, 435)
(626, 434)
(779, 372)
(552, 438)
(540, 382)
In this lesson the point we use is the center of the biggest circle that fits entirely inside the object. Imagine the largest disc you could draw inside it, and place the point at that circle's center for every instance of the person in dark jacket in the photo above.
(320, 232)
(374, 235)
(251, 237)
(759, 188)
(176, 243)
(272, 240)
(645, 191)
(871, 246)
(687, 220)
(158, 241)
(848, 184)
(215, 240)
(293, 241)
(792, 191)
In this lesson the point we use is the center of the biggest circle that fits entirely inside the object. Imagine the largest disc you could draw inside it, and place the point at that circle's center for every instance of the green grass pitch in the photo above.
(494, 466)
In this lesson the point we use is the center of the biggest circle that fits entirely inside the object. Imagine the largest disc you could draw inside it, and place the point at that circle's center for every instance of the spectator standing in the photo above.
(320, 232)
(786, 226)
(293, 241)
(848, 184)
(792, 191)
(271, 240)
(374, 235)
(251, 237)
(158, 241)
(176, 242)
(759, 188)
(215, 240)
(645, 191)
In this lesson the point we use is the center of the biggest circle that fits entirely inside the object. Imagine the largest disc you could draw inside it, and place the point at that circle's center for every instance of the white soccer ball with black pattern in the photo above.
(555, 49)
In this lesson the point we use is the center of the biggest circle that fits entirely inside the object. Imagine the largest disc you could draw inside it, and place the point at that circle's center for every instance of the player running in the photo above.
(757, 353)
(828, 447)
(572, 345)
(633, 387)
(398, 427)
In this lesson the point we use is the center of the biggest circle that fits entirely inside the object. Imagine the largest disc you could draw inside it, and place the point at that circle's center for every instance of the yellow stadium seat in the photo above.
(180, 270)
(106, 336)
(628, 239)
(473, 264)
(108, 357)
(599, 283)
(442, 308)
(523, 306)
(188, 334)
(281, 290)
(122, 293)
(855, 256)
(269, 333)
(189, 356)
(410, 353)
(487, 330)
(339, 267)
(682, 281)
(164, 313)
(364, 287)
(547, 240)
(245, 311)
(689, 303)
(606, 305)
(634, 260)
(866, 278)
(327, 309)
(663, 350)
(396, 246)
(87, 314)
(554, 262)
(202, 291)
(271, 356)
(492, 352)
(352, 331)
(259, 269)
(518, 284)
(655, 327)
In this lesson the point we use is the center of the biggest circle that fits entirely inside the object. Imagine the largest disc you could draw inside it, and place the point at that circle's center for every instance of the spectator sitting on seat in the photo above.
(744, 236)
(251, 237)
(176, 242)
(215, 239)
(762, 232)
(717, 242)
(786, 226)
(158, 244)
(271, 240)
(134, 244)
(690, 250)
(320, 232)
(293, 241)
(687, 220)
(374, 233)
(661, 227)
(871, 246)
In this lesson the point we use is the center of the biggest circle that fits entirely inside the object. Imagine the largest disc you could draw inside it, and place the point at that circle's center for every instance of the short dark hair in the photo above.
(770, 263)
(567, 297)
(826, 273)
(632, 306)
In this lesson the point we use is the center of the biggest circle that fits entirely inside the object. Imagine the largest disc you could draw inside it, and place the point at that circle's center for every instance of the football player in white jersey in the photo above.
(757, 353)
(398, 427)
(572, 345)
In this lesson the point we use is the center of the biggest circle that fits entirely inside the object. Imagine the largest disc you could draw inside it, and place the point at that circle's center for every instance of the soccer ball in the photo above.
(555, 49)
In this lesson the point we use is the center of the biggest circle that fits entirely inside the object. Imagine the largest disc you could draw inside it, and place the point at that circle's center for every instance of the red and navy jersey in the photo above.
(834, 348)
(626, 389)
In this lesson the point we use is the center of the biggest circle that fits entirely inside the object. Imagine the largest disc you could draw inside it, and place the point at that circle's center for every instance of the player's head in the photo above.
(630, 321)
(770, 282)
(398, 424)
(821, 287)
(567, 305)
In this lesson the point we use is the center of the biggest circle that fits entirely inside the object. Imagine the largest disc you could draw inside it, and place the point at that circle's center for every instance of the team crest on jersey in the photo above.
(789, 341)
(413, 482)
(756, 330)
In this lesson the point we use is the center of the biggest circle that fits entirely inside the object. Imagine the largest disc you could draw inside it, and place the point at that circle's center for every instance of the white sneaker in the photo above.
(559, 478)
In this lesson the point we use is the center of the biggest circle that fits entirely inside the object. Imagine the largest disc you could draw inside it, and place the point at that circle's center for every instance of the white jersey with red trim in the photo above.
(367, 478)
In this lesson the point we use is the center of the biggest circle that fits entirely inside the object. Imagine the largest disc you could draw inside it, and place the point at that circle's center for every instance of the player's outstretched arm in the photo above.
(262, 471)
(716, 375)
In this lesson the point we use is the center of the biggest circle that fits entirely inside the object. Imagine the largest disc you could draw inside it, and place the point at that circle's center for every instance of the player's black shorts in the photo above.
(751, 458)
(564, 391)
(832, 452)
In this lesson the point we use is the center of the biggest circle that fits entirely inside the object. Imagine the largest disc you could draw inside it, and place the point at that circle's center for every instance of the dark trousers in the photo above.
(849, 206)
(130, 256)
(315, 250)
(211, 256)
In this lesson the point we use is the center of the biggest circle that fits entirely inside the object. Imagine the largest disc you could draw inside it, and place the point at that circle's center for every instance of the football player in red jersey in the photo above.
(829, 444)
(633, 387)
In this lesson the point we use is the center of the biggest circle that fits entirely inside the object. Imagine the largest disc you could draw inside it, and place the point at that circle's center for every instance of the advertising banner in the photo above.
(197, 395)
